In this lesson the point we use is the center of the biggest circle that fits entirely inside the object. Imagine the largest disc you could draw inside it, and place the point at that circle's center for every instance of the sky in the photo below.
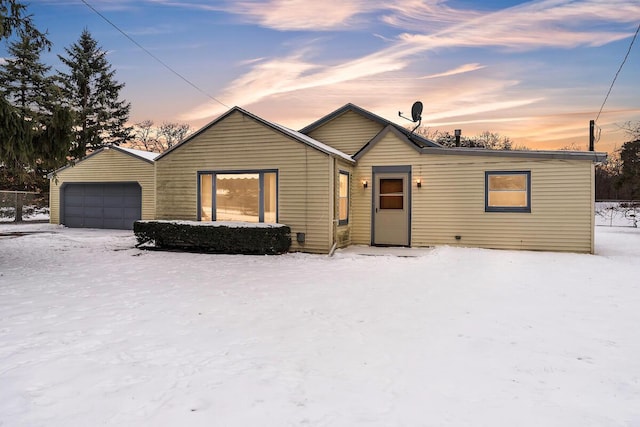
(534, 71)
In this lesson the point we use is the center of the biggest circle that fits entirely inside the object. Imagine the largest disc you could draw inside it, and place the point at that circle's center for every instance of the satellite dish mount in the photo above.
(416, 114)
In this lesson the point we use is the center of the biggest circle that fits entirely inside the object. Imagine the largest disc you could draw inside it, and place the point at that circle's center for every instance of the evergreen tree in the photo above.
(24, 81)
(13, 19)
(35, 132)
(90, 90)
(629, 179)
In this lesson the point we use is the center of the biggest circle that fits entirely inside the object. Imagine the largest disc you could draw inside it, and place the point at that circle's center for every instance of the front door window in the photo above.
(391, 193)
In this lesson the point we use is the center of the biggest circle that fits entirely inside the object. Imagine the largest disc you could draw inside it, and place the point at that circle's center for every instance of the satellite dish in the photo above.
(416, 114)
(416, 111)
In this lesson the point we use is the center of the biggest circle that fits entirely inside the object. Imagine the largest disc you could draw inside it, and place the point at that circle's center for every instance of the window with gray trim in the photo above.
(507, 191)
(343, 198)
(250, 196)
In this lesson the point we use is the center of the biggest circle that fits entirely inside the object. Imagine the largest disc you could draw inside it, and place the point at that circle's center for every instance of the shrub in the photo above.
(215, 237)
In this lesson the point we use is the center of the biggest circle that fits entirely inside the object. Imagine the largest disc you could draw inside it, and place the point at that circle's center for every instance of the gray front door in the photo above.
(391, 208)
(101, 205)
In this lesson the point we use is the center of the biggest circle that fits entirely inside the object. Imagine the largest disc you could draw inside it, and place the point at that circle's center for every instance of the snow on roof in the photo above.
(314, 143)
(148, 155)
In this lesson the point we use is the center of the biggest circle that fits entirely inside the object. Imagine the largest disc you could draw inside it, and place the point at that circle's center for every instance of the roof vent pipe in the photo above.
(457, 133)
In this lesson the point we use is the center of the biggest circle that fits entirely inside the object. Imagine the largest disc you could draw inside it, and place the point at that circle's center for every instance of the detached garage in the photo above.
(110, 188)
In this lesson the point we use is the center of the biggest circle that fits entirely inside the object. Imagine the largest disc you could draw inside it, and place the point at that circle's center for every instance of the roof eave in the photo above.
(270, 125)
(594, 156)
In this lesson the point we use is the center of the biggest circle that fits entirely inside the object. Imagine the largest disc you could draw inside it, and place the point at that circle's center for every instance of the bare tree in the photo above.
(172, 133)
(146, 137)
(632, 129)
(571, 147)
(158, 139)
(486, 139)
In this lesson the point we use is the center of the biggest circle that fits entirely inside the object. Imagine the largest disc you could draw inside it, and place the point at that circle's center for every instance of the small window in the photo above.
(343, 199)
(508, 191)
(391, 193)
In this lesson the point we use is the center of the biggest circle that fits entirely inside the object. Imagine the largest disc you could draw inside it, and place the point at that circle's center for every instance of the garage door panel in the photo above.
(113, 213)
(74, 190)
(92, 212)
(131, 202)
(74, 210)
(93, 200)
(101, 205)
(112, 201)
(92, 222)
(131, 212)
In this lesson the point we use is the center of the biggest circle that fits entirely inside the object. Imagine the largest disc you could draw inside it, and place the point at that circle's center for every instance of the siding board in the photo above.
(107, 166)
(347, 133)
(240, 143)
(451, 201)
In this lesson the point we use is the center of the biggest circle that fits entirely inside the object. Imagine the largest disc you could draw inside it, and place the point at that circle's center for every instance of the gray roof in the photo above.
(465, 151)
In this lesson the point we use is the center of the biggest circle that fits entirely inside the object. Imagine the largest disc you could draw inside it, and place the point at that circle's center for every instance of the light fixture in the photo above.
(419, 183)
(365, 184)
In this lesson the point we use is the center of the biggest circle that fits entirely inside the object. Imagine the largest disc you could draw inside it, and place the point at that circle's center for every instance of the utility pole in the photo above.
(592, 124)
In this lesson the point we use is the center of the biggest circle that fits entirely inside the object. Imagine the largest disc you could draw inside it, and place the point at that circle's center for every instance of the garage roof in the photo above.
(142, 155)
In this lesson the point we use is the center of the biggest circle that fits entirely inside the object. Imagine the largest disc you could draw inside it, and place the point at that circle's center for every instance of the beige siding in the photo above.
(240, 143)
(347, 133)
(451, 201)
(343, 232)
(107, 166)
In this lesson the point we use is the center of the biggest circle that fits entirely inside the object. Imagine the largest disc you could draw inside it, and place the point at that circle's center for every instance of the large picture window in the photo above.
(343, 198)
(508, 191)
(249, 196)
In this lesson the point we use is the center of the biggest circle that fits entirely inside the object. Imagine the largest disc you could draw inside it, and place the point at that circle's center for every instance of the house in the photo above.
(353, 177)
(110, 188)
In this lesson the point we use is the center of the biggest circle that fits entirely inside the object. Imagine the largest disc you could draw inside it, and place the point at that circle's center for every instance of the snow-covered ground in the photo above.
(30, 213)
(95, 332)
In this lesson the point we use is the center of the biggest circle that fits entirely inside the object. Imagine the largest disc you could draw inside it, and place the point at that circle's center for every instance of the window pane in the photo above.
(391, 186)
(237, 197)
(269, 197)
(343, 199)
(391, 202)
(508, 198)
(344, 185)
(205, 197)
(343, 209)
(508, 182)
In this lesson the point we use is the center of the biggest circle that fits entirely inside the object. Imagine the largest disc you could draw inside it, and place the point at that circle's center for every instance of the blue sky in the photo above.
(536, 71)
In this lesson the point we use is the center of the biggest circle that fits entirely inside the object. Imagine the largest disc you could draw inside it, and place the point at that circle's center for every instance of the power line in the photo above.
(618, 72)
(164, 64)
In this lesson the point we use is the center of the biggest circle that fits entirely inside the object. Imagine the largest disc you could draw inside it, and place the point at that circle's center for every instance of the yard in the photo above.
(96, 332)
